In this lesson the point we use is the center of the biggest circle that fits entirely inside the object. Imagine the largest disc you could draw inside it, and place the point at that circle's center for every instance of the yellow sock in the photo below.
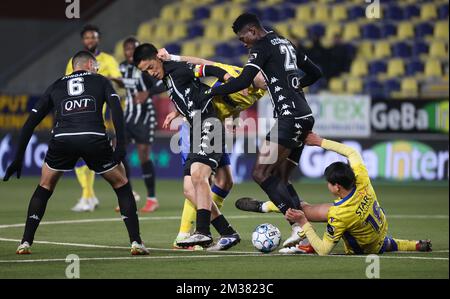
(81, 176)
(270, 207)
(188, 217)
(405, 245)
(90, 179)
(217, 199)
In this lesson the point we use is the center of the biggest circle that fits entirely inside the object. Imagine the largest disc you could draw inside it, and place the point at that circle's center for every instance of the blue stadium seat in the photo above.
(424, 29)
(195, 30)
(297, 1)
(411, 11)
(316, 30)
(401, 49)
(377, 66)
(443, 11)
(371, 31)
(414, 66)
(271, 14)
(419, 47)
(239, 50)
(225, 50)
(287, 12)
(356, 12)
(201, 13)
(254, 10)
(388, 29)
(393, 12)
(173, 48)
(391, 85)
(374, 88)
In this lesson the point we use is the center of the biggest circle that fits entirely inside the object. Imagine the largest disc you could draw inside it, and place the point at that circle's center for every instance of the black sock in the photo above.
(148, 174)
(127, 171)
(222, 226)
(278, 193)
(203, 221)
(297, 200)
(128, 211)
(36, 210)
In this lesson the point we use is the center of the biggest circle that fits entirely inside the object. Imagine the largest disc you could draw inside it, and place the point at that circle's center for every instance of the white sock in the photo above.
(264, 207)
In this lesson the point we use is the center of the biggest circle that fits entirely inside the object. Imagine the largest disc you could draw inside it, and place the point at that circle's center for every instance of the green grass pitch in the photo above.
(414, 211)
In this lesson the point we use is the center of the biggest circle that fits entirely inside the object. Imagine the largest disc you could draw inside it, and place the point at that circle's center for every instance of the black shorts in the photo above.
(142, 131)
(291, 132)
(206, 148)
(64, 152)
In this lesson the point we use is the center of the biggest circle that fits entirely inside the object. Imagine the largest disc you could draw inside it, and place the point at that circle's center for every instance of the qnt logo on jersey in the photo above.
(77, 105)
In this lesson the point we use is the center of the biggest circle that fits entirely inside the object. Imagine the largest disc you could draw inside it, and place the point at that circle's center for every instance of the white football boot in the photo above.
(84, 205)
(24, 248)
(196, 239)
(296, 236)
(139, 249)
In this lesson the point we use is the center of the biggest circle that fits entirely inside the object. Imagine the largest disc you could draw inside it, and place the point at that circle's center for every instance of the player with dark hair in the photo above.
(206, 139)
(356, 215)
(140, 117)
(276, 58)
(79, 132)
(108, 67)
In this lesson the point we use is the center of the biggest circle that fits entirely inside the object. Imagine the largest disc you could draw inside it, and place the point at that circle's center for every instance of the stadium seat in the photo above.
(419, 47)
(332, 29)
(201, 13)
(405, 30)
(189, 48)
(321, 13)
(304, 13)
(428, 11)
(356, 12)
(336, 85)
(287, 12)
(316, 30)
(401, 49)
(438, 50)
(144, 32)
(359, 68)
(365, 49)
(174, 48)
(179, 31)
(393, 12)
(376, 67)
(382, 49)
(169, 12)
(162, 32)
(371, 31)
(184, 14)
(206, 50)
(433, 68)
(218, 12)
(411, 11)
(234, 12)
(391, 86)
(339, 13)
(283, 29)
(212, 31)
(424, 29)
(374, 88)
(298, 30)
(351, 31)
(409, 87)
(354, 85)
(414, 67)
(388, 30)
(271, 14)
(194, 30)
(443, 11)
(396, 67)
(441, 30)
(225, 50)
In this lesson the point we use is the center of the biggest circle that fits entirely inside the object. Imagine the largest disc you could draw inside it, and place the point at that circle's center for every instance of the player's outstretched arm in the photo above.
(38, 113)
(239, 83)
(352, 155)
(322, 247)
(164, 55)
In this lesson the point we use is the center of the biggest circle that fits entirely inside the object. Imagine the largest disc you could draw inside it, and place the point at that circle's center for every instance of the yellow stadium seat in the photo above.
(382, 49)
(234, 12)
(303, 13)
(178, 31)
(184, 14)
(336, 85)
(409, 87)
(227, 32)
(359, 68)
(396, 67)
(332, 29)
(206, 50)
(441, 30)
(365, 49)
(189, 48)
(283, 29)
(144, 32)
(428, 11)
(321, 13)
(433, 68)
(351, 31)
(298, 30)
(405, 30)
(438, 50)
(354, 85)
(169, 12)
(162, 31)
(339, 13)
(212, 31)
(218, 12)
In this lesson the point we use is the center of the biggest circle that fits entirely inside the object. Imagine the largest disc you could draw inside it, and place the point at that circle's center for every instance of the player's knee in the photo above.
(198, 178)
(259, 175)
(224, 183)
(188, 193)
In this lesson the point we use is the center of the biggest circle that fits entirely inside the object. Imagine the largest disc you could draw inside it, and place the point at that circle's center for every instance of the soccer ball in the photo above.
(266, 237)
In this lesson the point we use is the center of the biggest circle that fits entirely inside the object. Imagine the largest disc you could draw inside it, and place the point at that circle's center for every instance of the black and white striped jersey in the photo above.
(136, 81)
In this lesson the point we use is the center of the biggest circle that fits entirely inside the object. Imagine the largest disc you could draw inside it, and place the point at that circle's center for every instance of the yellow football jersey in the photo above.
(357, 218)
(108, 66)
(231, 105)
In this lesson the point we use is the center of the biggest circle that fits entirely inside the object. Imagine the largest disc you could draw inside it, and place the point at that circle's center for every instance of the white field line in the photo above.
(259, 216)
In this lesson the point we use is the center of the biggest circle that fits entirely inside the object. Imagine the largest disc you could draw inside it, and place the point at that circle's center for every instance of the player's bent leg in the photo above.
(117, 179)
(37, 206)
(223, 182)
(392, 245)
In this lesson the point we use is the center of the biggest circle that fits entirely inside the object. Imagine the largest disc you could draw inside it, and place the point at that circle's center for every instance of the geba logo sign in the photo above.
(78, 105)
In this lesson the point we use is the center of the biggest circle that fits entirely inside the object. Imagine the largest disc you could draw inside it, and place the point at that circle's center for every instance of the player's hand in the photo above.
(15, 167)
(227, 77)
(119, 153)
(297, 216)
(244, 92)
(163, 54)
(313, 139)
(169, 118)
(140, 97)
